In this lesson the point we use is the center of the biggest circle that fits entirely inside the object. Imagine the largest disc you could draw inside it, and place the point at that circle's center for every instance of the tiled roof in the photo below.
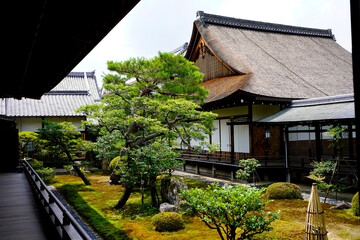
(77, 89)
(182, 49)
(316, 109)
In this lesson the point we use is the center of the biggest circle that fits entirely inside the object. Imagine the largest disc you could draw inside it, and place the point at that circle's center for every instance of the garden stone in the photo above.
(183, 206)
(167, 207)
(115, 179)
(170, 189)
(342, 205)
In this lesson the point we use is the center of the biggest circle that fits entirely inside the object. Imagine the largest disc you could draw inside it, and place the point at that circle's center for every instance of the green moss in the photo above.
(283, 190)
(113, 162)
(168, 222)
(134, 221)
(96, 221)
(355, 204)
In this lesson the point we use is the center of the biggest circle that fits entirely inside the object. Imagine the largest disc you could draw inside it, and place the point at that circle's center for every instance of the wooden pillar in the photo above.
(318, 142)
(351, 147)
(287, 165)
(250, 118)
(355, 34)
(232, 142)
(213, 171)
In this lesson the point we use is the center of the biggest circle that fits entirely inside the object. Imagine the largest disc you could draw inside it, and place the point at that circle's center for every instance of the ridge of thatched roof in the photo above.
(282, 61)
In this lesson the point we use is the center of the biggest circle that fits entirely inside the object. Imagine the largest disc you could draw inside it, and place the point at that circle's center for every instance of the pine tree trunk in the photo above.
(153, 191)
(124, 198)
(77, 170)
(81, 175)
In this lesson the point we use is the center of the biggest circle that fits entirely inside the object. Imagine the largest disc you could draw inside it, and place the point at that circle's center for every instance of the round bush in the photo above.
(168, 222)
(355, 204)
(283, 190)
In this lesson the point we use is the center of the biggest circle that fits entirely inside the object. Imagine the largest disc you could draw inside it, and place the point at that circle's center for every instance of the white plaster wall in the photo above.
(215, 138)
(241, 138)
(74, 120)
(32, 124)
(225, 135)
(227, 112)
(262, 111)
(28, 124)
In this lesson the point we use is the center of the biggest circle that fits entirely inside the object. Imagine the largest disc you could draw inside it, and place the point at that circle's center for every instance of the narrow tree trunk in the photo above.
(77, 170)
(142, 190)
(81, 175)
(232, 233)
(153, 191)
(124, 197)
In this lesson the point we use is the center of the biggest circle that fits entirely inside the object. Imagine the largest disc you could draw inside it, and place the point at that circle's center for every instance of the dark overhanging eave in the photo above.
(49, 38)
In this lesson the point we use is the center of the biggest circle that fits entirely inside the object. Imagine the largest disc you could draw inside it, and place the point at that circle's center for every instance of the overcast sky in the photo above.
(164, 25)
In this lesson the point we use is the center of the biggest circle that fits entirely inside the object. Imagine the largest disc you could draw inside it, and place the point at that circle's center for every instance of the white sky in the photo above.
(163, 25)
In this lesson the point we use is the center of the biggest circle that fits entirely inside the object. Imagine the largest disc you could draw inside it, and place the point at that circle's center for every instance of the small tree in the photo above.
(323, 174)
(152, 160)
(249, 169)
(150, 101)
(324, 171)
(229, 208)
(62, 138)
(27, 139)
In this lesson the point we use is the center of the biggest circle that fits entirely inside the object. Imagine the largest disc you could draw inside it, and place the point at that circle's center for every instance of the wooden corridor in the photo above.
(20, 215)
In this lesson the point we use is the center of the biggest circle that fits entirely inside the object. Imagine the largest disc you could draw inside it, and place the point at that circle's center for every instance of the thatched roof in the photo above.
(280, 61)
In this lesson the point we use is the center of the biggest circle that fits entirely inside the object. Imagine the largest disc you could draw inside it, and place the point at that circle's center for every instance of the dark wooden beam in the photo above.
(355, 32)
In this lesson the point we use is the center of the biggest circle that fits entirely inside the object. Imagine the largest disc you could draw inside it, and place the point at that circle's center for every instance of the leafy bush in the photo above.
(68, 167)
(355, 204)
(283, 190)
(168, 222)
(229, 208)
(36, 164)
(249, 170)
(46, 174)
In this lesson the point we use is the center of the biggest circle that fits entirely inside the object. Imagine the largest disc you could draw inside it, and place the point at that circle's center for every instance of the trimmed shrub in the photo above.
(283, 190)
(168, 222)
(355, 204)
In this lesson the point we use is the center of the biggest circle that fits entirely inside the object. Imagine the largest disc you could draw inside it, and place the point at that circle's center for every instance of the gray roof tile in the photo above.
(77, 89)
(317, 109)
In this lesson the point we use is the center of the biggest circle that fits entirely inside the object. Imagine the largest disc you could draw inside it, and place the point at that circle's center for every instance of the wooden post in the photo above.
(232, 142)
(318, 142)
(213, 171)
(355, 29)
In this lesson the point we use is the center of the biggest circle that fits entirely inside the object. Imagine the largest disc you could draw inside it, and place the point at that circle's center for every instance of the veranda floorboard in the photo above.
(20, 213)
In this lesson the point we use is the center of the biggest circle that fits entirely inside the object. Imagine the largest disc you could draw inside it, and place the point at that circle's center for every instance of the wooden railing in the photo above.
(294, 162)
(66, 225)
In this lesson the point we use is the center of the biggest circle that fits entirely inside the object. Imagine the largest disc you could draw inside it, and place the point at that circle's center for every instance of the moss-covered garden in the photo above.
(95, 204)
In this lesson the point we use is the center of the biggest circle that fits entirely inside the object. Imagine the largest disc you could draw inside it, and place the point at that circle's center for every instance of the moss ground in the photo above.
(96, 203)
